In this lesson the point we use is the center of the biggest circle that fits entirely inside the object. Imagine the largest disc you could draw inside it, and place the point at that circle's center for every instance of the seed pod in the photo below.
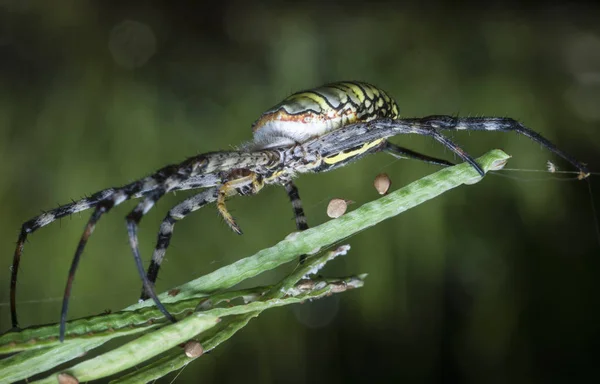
(336, 208)
(382, 183)
(193, 349)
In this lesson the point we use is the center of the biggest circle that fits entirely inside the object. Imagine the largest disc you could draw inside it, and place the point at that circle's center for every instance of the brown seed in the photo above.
(193, 349)
(336, 208)
(65, 378)
(382, 183)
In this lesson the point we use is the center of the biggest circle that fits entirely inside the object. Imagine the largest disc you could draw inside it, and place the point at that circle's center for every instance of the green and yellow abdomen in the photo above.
(312, 113)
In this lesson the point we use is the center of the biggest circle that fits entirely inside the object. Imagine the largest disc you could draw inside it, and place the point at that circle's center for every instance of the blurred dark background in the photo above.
(494, 282)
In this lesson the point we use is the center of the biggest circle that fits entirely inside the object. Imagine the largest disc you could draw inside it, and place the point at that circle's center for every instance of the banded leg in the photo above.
(101, 209)
(500, 124)
(404, 153)
(192, 173)
(250, 183)
(177, 213)
(133, 220)
(299, 216)
(106, 199)
(361, 138)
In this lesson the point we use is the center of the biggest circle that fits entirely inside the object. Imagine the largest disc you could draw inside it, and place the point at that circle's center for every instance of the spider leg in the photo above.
(355, 141)
(199, 181)
(153, 187)
(101, 209)
(292, 192)
(501, 124)
(456, 149)
(103, 201)
(174, 215)
(250, 183)
(107, 198)
(301, 224)
(404, 153)
(194, 172)
(133, 219)
(225, 161)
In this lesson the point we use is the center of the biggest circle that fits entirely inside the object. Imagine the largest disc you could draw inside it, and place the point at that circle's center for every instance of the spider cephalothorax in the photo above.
(316, 130)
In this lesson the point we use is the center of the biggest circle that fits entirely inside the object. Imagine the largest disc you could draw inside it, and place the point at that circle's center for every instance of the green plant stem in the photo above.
(290, 286)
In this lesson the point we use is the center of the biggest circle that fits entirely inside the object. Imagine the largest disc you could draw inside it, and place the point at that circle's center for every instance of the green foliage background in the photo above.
(494, 282)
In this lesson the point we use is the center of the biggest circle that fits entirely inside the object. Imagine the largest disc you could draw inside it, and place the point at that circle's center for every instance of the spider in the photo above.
(316, 130)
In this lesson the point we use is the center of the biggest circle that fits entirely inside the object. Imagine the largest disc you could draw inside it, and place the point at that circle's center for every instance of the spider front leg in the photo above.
(177, 213)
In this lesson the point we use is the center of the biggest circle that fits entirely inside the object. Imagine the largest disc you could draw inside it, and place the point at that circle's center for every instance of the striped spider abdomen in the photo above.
(314, 112)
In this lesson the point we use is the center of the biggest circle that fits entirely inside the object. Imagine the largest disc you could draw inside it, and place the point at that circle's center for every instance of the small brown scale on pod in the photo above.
(337, 207)
(193, 349)
(382, 183)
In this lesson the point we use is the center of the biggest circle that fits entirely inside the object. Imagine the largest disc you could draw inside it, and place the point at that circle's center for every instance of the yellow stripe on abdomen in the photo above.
(346, 155)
